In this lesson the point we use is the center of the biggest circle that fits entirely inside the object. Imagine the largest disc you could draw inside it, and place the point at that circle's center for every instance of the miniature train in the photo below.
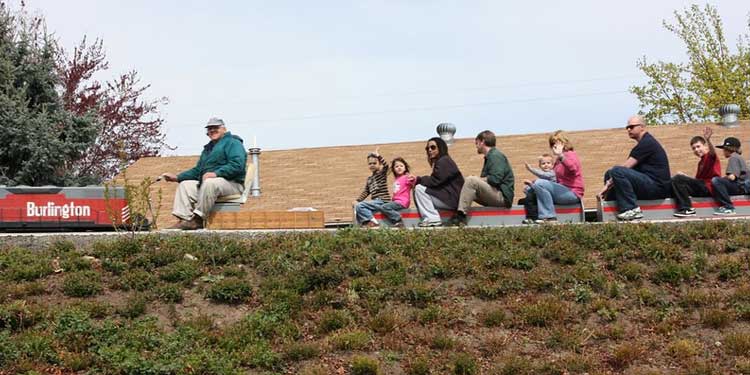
(62, 208)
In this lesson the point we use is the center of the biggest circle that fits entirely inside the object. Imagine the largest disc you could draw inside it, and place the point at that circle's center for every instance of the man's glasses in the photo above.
(430, 148)
(212, 130)
(629, 127)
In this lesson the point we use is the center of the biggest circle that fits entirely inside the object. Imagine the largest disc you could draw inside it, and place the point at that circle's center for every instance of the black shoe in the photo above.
(685, 212)
(459, 219)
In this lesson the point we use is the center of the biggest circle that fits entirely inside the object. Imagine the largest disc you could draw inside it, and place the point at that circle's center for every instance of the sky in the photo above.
(297, 74)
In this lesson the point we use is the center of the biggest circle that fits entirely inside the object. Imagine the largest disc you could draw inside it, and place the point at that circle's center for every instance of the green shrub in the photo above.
(729, 268)
(332, 320)
(464, 364)
(23, 265)
(114, 266)
(632, 271)
(138, 280)
(494, 317)
(184, 271)
(8, 350)
(716, 318)
(82, 284)
(134, 306)
(301, 351)
(544, 312)
(419, 366)
(74, 329)
(352, 340)
(229, 290)
(384, 322)
(364, 366)
(673, 273)
(169, 293)
(442, 342)
(737, 343)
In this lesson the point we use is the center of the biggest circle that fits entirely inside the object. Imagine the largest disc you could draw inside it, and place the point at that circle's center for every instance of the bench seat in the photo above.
(664, 209)
(233, 202)
(491, 216)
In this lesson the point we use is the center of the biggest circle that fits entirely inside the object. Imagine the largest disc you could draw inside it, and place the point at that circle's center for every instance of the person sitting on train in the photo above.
(439, 190)
(735, 179)
(566, 188)
(709, 166)
(644, 175)
(220, 171)
(493, 187)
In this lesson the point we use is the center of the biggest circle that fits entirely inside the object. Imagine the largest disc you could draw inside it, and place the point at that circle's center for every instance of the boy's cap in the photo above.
(214, 121)
(730, 142)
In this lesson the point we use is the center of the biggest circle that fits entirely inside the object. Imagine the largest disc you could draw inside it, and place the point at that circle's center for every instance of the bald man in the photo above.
(644, 175)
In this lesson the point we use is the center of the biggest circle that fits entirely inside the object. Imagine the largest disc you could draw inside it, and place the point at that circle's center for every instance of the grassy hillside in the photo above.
(636, 299)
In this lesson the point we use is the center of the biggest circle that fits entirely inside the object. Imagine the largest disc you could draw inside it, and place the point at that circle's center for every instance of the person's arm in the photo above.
(734, 168)
(630, 163)
(571, 162)
(365, 192)
(541, 174)
(444, 170)
(707, 132)
(236, 160)
(497, 169)
(192, 173)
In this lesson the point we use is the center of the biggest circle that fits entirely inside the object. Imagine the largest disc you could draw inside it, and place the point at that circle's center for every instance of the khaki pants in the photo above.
(189, 200)
(477, 190)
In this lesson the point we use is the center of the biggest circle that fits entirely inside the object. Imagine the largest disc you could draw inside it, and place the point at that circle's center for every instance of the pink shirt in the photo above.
(402, 190)
(568, 172)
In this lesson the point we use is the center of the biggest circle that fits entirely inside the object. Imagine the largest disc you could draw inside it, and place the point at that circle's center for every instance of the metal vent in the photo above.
(446, 131)
(729, 114)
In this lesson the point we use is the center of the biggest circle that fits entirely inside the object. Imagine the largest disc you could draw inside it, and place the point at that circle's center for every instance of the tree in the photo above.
(38, 134)
(712, 76)
(130, 126)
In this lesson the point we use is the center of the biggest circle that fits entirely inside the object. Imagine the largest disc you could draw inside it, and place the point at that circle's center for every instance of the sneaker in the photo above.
(425, 223)
(459, 219)
(631, 214)
(195, 223)
(685, 212)
(725, 211)
(528, 221)
(398, 224)
(549, 220)
(370, 224)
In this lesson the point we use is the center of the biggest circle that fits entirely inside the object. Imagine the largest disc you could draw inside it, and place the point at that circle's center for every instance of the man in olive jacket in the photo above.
(494, 187)
(220, 171)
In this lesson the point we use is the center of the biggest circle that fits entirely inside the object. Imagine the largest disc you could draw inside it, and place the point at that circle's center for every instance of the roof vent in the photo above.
(729, 115)
(446, 131)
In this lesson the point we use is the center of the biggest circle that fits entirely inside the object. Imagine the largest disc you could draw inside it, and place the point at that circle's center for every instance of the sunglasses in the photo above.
(430, 148)
(631, 126)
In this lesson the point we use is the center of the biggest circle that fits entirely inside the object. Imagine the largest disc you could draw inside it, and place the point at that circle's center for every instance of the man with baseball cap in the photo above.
(734, 180)
(220, 171)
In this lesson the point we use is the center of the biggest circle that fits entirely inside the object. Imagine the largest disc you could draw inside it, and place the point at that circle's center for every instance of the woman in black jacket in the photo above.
(441, 189)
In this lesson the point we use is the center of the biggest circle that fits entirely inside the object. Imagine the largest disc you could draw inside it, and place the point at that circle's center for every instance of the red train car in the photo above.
(62, 208)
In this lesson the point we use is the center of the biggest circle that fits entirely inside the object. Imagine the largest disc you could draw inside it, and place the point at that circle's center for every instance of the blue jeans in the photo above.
(631, 185)
(365, 209)
(548, 194)
(723, 189)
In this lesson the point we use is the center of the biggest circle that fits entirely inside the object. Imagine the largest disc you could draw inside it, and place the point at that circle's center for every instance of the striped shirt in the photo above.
(377, 184)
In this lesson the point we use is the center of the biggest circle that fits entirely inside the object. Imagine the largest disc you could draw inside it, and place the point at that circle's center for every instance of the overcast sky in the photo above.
(318, 73)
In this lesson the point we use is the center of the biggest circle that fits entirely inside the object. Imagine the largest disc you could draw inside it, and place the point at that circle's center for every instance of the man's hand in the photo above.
(528, 182)
(605, 189)
(707, 133)
(208, 175)
(171, 177)
(731, 177)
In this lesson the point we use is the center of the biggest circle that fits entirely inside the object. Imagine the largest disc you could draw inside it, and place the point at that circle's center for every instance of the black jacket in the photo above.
(445, 182)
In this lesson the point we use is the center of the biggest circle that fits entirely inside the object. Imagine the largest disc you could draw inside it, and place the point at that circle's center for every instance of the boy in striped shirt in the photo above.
(376, 187)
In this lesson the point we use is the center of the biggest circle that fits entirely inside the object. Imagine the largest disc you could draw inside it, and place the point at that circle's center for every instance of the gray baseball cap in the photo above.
(215, 121)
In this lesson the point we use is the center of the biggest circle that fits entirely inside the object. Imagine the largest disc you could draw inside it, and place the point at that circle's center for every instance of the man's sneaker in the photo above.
(425, 223)
(528, 221)
(724, 211)
(370, 224)
(195, 223)
(631, 214)
(398, 224)
(459, 219)
(685, 212)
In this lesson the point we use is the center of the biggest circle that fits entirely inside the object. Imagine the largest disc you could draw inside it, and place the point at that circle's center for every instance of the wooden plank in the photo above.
(266, 220)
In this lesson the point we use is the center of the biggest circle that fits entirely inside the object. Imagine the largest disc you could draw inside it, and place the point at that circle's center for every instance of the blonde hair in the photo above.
(559, 136)
(546, 155)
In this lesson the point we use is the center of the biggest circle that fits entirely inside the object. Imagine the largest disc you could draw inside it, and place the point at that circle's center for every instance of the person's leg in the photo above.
(622, 188)
(681, 191)
(425, 205)
(184, 199)
(365, 209)
(210, 190)
(723, 189)
(390, 210)
(468, 193)
(530, 204)
(488, 195)
(550, 193)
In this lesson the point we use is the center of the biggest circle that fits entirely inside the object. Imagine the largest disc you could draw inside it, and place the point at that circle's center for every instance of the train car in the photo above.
(51, 208)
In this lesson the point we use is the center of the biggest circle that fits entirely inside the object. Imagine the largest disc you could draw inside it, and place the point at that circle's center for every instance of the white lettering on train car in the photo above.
(51, 209)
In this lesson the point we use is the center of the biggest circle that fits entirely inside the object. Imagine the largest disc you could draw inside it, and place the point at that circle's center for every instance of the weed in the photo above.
(114, 266)
(737, 343)
(333, 320)
(544, 312)
(743, 366)
(352, 340)
(138, 280)
(430, 314)
(19, 315)
(697, 298)
(493, 317)
(699, 367)
(383, 323)
(684, 349)
(672, 273)
(515, 365)
(442, 342)
(624, 355)
(464, 364)
(632, 271)
(418, 366)
(362, 365)
(564, 338)
(169, 293)
(184, 271)
(728, 268)
(716, 318)
(418, 295)
(82, 284)
(301, 351)
(134, 306)
(74, 329)
(229, 290)
(23, 265)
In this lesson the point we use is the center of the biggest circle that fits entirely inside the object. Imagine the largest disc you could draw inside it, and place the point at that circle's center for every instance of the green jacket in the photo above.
(499, 174)
(226, 158)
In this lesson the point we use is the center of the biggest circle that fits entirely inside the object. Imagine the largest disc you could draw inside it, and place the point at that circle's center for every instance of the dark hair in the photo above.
(487, 137)
(733, 149)
(442, 148)
(697, 139)
(372, 155)
(402, 161)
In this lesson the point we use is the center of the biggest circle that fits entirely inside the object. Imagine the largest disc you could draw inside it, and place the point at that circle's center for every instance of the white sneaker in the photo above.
(425, 223)
(632, 214)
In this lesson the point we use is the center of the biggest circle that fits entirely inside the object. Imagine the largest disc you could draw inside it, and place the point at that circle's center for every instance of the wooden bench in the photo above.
(232, 203)
(491, 216)
(664, 209)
